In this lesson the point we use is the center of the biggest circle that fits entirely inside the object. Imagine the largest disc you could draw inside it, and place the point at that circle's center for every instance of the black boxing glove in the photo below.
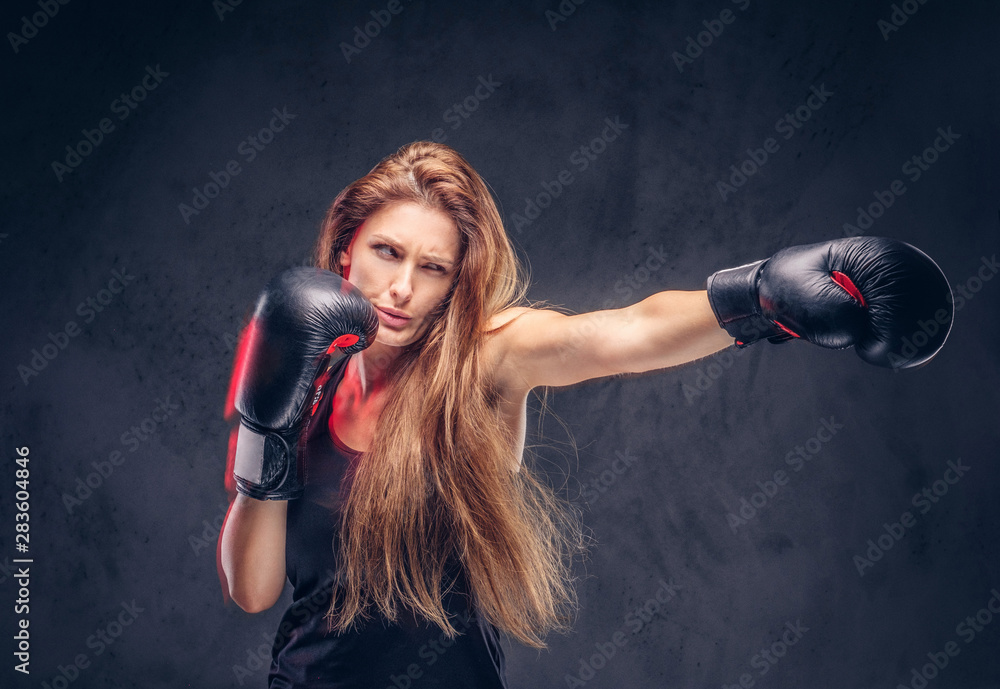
(306, 320)
(886, 298)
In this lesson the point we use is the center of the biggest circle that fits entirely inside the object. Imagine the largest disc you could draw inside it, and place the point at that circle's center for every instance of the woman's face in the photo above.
(403, 259)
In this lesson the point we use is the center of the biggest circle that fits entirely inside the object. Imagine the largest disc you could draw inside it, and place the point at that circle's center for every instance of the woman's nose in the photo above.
(401, 286)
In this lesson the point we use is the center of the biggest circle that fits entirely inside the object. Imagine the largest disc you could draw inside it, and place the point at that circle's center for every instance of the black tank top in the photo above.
(407, 654)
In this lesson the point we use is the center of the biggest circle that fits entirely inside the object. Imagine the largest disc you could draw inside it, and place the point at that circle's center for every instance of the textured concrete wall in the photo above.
(699, 439)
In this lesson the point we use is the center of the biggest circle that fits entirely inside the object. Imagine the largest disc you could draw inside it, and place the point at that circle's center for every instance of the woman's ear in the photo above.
(344, 258)
(345, 263)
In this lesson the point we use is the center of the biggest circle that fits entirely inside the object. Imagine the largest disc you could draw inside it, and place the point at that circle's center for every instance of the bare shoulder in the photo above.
(503, 333)
(496, 348)
(504, 317)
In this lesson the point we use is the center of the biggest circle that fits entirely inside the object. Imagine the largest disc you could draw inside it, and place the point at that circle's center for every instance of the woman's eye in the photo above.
(387, 250)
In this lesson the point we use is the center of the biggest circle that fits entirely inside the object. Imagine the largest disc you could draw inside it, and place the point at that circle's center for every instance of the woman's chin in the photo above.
(394, 340)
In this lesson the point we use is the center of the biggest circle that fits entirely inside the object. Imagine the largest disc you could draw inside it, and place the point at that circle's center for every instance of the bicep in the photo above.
(547, 348)
(541, 347)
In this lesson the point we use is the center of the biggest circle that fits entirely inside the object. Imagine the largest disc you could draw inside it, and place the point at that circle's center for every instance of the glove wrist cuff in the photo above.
(266, 464)
(733, 296)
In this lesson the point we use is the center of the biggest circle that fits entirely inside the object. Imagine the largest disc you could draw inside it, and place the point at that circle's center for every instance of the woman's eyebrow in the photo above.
(430, 257)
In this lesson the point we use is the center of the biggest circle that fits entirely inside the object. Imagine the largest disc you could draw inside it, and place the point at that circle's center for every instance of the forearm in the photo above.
(670, 328)
(253, 551)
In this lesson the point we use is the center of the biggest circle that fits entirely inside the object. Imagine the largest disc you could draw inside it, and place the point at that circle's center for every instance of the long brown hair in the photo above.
(441, 479)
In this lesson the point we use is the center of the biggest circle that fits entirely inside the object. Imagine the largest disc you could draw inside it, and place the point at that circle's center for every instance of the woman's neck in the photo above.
(367, 371)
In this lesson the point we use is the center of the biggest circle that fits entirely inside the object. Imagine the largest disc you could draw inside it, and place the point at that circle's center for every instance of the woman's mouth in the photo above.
(390, 319)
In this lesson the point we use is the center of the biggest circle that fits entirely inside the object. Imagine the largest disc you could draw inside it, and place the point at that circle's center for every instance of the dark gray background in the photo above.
(170, 331)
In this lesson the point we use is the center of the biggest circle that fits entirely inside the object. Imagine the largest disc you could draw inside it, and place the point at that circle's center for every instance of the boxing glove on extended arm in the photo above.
(886, 298)
(305, 321)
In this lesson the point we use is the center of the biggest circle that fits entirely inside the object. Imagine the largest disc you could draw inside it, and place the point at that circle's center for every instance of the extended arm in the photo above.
(886, 298)
(548, 348)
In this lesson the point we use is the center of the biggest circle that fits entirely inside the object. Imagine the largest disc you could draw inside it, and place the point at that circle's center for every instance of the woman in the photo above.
(419, 535)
